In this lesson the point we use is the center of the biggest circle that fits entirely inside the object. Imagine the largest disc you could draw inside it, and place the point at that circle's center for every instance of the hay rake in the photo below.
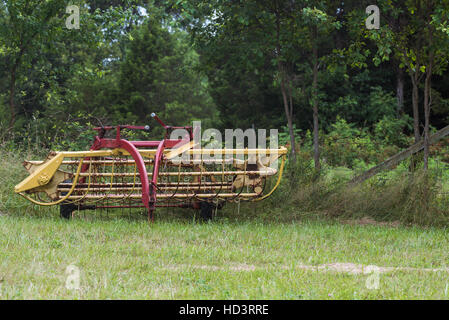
(117, 173)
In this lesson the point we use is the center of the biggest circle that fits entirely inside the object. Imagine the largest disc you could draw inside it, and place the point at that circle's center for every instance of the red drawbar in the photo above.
(128, 146)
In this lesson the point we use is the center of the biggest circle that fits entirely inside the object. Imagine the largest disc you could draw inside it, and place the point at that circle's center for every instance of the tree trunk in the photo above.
(427, 102)
(12, 90)
(12, 87)
(400, 92)
(426, 121)
(281, 70)
(288, 114)
(316, 147)
(415, 101)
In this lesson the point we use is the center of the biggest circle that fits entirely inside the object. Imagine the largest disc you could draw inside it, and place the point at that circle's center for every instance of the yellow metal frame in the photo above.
(42, 175)
(63, 198)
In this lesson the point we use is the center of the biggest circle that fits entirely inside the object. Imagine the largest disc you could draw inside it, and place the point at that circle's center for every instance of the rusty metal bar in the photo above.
(159, 187)
(183, 195)
(184, 173)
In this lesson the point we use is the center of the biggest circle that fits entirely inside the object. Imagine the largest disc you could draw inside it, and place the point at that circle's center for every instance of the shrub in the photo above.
(391, 131)
(345, 144)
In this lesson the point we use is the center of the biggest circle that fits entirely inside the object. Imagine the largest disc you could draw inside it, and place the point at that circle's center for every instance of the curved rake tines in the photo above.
(117, 181)
(111, 180)
(207, 180)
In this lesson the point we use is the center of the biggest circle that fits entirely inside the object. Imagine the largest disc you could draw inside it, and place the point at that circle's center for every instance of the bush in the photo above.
(391, 131)
(346, 144)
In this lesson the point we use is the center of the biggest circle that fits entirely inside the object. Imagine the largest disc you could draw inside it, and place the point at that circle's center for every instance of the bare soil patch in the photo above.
(351, 268)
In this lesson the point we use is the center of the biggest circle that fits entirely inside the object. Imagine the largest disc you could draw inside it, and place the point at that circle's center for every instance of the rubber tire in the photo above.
(206, 211)
(65, 210)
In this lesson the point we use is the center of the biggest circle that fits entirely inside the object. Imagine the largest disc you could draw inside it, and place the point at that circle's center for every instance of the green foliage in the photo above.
(283, 135)
(76, 135)
(103, 77)
(348, 146)
(158, 75)
(125, 65)
(391, 131)
(345, 144)
(380, 104)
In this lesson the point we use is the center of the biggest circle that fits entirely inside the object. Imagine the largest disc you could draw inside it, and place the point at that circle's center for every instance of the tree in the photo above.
(436, 54)
(263, 27)
(271, 33)
(157, 75)
(319, 25)
(421, 48)
(26, 25)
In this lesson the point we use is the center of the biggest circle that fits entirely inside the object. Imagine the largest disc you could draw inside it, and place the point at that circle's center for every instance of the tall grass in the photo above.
(409, 197)
(396, 196)
(412, 198)
(11, 173)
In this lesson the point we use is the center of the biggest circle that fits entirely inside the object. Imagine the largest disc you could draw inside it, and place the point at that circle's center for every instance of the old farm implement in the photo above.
(118, 173)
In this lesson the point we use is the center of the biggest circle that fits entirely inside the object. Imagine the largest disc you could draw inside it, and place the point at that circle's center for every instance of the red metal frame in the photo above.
(149, 189)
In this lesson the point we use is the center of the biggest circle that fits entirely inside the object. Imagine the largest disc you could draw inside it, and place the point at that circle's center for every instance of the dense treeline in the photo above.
(310, 68)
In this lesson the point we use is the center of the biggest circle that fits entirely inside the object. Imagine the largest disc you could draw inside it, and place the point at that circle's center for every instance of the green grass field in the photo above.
(123, 258)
